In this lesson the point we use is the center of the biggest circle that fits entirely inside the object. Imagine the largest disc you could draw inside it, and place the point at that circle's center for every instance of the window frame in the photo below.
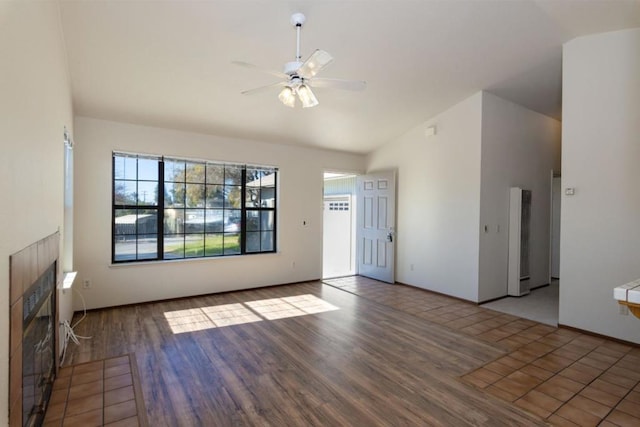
(161, 207)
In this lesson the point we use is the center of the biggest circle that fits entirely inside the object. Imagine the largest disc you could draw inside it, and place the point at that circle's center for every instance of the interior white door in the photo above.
(375, 226)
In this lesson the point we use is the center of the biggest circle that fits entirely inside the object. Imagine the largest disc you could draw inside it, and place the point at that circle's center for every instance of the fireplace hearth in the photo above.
(38, 347)
(33, 332)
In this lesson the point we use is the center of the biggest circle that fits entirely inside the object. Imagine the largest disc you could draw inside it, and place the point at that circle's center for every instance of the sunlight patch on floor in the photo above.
(201, 318)
(300, 305)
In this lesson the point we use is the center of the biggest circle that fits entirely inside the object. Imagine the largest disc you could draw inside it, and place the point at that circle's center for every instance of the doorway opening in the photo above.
(542, 303)
(339, 225)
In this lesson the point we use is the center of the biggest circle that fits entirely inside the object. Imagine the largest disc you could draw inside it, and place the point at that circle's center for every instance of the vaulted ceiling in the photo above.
(169, 63)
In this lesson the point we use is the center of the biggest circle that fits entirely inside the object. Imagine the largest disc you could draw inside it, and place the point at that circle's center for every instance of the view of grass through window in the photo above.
(170, 208)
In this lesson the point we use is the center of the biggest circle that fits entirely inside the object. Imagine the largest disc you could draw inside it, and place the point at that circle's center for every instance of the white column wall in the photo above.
(600, 224)
(35, 105)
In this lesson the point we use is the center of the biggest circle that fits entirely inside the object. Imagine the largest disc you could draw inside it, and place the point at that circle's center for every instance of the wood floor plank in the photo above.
(362, 363)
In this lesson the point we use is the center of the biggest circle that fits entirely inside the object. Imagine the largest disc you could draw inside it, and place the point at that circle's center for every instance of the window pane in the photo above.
(268, 198)
(173, 246)
(232, 196)
(253, 197)
(253, 187)
(253, 221)
(118, 167)
(195, 195)
(173, 221)
(125, 193)
(147, 222)
(148, 193)
(194, 221)
(232, 220)
(260, 187)
(195, 172)
(253, 177)
(214, 220)
(148, 169)
(124, 167)
(174, 170)
(213, 245)
(231, 243)
(125, 248)
(174, 194)
(214, 196)
(215, 174)
(253, 242)
(194, 245)
(232, 175)
(125, 221)
(148, 246)
(266, 220)
(267, 241)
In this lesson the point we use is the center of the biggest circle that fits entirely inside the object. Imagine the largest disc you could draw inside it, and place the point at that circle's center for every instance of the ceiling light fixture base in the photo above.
(291, 68)
(298, 19)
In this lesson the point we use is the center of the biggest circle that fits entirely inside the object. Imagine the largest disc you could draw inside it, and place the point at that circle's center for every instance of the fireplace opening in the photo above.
(38, 346)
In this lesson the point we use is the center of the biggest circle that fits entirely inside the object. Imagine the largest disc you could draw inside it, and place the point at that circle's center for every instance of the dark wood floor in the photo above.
(564, 376)
(363, 363)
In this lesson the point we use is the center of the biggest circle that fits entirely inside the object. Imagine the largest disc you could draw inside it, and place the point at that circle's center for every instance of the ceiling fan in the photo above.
(298, 77)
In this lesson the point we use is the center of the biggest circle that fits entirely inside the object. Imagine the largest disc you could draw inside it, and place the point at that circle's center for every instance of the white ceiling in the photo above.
(168, 63)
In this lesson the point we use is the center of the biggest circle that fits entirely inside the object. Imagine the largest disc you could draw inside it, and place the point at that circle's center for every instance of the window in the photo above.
(170, 208)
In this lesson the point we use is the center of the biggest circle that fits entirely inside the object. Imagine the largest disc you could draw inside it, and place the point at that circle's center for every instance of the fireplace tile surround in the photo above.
(26, 266)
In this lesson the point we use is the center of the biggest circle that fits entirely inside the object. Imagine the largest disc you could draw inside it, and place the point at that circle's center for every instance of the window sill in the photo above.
(187, 260)
(67, 280)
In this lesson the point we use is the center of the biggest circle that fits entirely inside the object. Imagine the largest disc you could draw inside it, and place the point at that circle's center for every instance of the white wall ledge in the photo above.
(67, 280)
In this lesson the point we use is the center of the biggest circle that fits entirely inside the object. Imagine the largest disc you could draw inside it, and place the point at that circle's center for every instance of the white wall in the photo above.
(519, 149)
(600, 226)
(438, 200)
(35, 105)
(300, 198)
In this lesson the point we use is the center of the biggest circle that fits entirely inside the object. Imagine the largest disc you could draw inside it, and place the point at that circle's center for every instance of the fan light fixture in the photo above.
(300, 76)
(306, 96)
(288, 97)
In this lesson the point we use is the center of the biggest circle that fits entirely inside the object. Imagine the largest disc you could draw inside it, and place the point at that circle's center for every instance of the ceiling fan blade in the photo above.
(263, 88)
(263, 70)
(316, 62)
(339, 83)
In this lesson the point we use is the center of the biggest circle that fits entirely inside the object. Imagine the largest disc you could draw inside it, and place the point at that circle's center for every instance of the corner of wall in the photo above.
(438, 199)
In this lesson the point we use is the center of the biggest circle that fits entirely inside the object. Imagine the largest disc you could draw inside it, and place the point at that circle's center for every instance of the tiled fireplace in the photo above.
(35, 275)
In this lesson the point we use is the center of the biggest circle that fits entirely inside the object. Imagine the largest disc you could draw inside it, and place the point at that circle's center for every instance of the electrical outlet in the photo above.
(86, 284)
(411, 267)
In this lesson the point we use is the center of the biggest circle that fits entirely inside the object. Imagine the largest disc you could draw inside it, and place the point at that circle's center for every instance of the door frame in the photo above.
(346, 173)
(553, 174)
(351, 198)
(380, 234)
